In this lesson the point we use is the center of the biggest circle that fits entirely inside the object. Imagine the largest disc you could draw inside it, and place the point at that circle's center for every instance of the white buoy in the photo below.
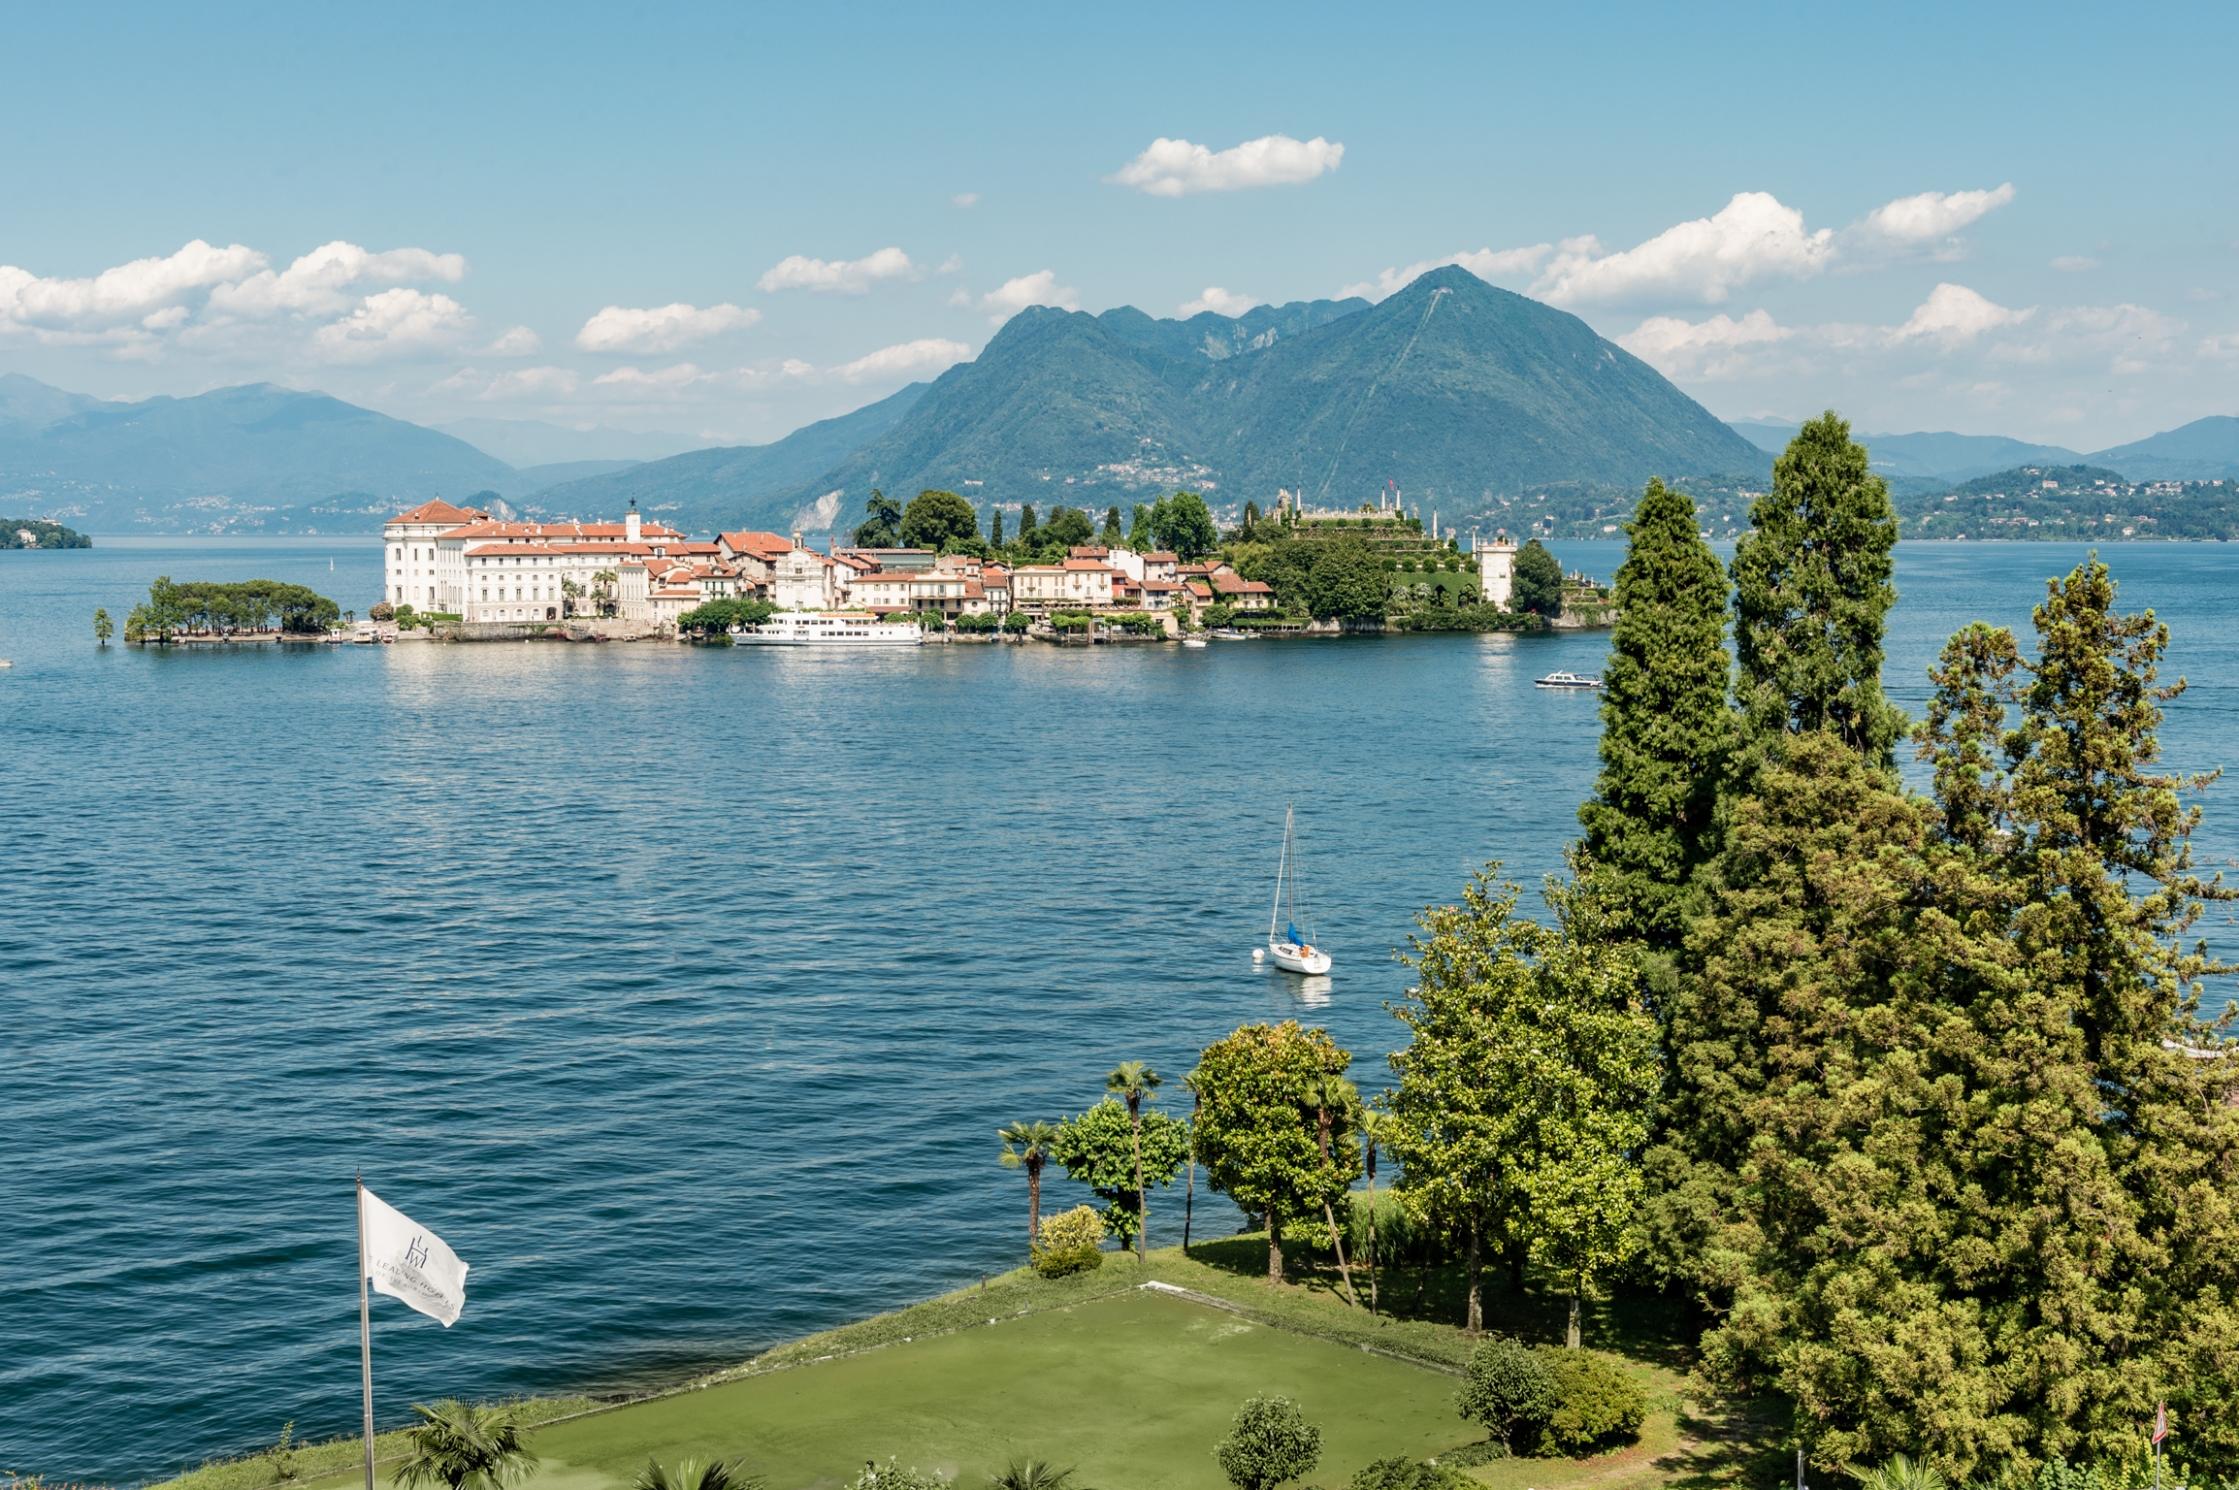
(1258, 953)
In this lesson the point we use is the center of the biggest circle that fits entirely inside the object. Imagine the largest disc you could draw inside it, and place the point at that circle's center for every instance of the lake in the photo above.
(682, 991)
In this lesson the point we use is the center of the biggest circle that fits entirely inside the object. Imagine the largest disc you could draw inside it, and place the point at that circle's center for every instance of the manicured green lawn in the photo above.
(1135, 1389)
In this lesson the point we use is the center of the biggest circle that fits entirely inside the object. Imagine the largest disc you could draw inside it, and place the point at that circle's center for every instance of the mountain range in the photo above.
(1453, 388)
(1470, 397)
(2204, 450)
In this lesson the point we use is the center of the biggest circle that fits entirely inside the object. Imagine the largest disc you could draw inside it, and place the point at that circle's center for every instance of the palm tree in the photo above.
(1031, 1474)
(1332, 1095)
(1189, 1191)
(1133, 1082)
(464, 1447)
(1903, 1472)
(1027, 1146)
(716, 1474)
(1374, 1127)
(603, 585)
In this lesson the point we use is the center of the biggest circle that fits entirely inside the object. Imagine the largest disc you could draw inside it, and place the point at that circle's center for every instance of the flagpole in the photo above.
(365, 1335)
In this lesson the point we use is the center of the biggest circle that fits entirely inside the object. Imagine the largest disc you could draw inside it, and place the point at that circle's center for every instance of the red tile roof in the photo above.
(547, 550)
(440, 511)
(760, 545)
(647, 532)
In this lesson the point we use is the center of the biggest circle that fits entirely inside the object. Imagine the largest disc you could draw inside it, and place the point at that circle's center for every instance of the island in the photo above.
(39, 532)
(255, 610)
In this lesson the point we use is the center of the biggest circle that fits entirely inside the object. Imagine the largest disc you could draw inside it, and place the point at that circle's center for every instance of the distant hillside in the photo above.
(34, 532)
(1455, 389)
(2087, 502)
(233, 460)
(2204, 450)
(731, 486)
(529, 480)
(1935, 456)
(532, 442)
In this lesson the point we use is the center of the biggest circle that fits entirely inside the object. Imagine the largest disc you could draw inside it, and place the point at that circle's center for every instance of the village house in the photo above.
(1076, 584)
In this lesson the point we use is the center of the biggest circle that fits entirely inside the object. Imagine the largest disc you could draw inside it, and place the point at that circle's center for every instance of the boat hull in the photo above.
(827, 641)
(1296, 959)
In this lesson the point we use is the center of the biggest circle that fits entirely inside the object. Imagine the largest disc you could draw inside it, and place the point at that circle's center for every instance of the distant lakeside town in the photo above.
(924, 571)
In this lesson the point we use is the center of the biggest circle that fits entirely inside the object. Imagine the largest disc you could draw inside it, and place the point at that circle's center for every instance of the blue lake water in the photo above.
(683, 991)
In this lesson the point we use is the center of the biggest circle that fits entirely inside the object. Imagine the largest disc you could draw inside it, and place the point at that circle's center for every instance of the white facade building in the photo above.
(1496, 571)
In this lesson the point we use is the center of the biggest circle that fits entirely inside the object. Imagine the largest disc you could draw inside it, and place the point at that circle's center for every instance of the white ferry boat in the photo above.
(1567, 680)
(793, 628)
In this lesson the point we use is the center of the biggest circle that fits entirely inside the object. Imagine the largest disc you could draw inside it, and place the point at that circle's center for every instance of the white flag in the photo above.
(405, 1260)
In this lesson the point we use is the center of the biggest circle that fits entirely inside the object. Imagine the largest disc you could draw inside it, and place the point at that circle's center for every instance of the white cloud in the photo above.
(2074, 264)
(1039, 288)
(1930, 216)
(1514, 265)
(907, 359)
(953, 264)
(513, 385)
(837, 276)
(661, 379)
(321, 282)
(966, 199)
(1220, 302)
(393, 323)
(126, 293)
(1706, 349)
(1173, 168)
(660, 328)
(1753, 237)
(1953, 314)
(516, 341)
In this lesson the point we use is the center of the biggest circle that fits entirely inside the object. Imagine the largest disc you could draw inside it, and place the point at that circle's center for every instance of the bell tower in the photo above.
(1496, 570)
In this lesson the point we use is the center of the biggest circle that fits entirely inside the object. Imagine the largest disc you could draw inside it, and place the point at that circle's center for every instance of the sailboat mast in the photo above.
(1282, 863)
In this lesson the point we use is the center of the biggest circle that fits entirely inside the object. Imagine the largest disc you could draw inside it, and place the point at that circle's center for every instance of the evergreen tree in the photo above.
(1811, 588)
(1112, 536)
(1026, 525)
(995, 528)
(1139, 532)
(1538, 588)
(1651, 823)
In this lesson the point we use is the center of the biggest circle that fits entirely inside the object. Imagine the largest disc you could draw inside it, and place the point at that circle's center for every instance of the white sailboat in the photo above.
(1292, 949)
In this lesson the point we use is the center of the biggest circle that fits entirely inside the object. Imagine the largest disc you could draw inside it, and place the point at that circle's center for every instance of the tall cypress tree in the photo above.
(1811, 588)
(1651, 823)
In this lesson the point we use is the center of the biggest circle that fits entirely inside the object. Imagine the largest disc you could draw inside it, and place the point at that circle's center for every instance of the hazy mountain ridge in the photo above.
(2204, 450)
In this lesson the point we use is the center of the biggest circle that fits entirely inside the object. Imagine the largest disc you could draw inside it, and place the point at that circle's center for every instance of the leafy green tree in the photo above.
(1118, 1154)
(1113, 535)
(1029, 1146)
(1345, 581)
(1537, 588)
(1507, 1391)
(1651, 825)
(1334, 1100)
(461, 1446)
(1250, 522)
(1256, 1133)
(1375, 1132)
(1811, 590)
(882, 522)
(1269, 1442)
(1066, 528)
(102, 628)
(938, 520)
(1526, 1089)
(995, 527)
(1397, 1473)
(1135, 1083)
(1139, 534)
(1184, 524)
(715, 1474)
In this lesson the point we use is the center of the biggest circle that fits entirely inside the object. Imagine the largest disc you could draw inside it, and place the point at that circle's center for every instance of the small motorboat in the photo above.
(1195, 641)
(1566, 680)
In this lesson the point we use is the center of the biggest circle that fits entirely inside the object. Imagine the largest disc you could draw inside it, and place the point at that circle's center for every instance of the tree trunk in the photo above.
(1189, 1197)
(1474, 1320)
(1337, 1243)
(1274, 1249)
(1372, 1239)
(1142, 1202)
(1570, 1341)
(1033, 1205)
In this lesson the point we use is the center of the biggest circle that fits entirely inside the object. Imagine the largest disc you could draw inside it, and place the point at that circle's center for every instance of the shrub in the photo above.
(1071, 1242)
(1396, 1473)
(1269, 1442)
(892, 1476)
(382, 611)
(1597, 1402)
(1017, 621)
(1509, 1390)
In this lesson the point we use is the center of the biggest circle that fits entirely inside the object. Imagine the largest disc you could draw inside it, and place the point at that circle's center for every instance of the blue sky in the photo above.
(1989, 218)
